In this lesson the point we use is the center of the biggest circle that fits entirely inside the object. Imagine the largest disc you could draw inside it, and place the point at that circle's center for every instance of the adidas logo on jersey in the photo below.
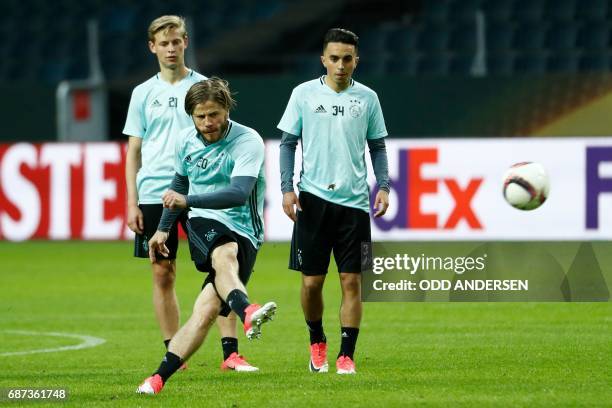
(320, 109)
(156, 104)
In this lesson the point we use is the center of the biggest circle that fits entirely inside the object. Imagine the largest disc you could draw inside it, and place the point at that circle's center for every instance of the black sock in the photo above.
(166, 342)
(349, 339)
(238, 302)
(230, 345)
(316, 331)
(168, 366)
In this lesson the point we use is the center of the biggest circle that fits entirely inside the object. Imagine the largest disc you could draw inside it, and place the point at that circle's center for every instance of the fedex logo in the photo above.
(62, 191)
(411, 186)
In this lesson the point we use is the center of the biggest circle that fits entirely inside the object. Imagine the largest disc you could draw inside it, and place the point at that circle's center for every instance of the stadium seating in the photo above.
(463, 11)
(595, 62)
(433, 38)
(402, 40)
(403, 65)
(436, 12)
(561, 37)
(463, 37)
(521, 36)
(436, 37)
(461, 63)
(531, 63)
(594, 36)
(593, 10)
(436, 64)
(499, 37)
(564, 62)
(528, 10)
(500, 64)
(498, 11)
(560, 10)
(529, 36)
(55, 36)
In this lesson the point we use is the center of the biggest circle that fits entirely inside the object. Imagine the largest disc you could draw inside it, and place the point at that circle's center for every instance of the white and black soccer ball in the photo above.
(526, 185)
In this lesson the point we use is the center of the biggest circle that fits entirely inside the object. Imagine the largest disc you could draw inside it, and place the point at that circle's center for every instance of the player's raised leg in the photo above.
(230, 287)
(186, 341)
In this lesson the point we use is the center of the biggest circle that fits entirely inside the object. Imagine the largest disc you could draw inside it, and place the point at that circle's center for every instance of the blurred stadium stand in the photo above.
(45, 42)
(419, 37)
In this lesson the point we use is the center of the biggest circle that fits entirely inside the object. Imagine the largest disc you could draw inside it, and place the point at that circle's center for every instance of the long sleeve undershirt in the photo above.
(234, 195)
(287, 161)
(378, 154)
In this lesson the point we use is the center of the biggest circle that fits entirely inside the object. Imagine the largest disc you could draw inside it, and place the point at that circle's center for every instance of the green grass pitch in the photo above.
(426, 354)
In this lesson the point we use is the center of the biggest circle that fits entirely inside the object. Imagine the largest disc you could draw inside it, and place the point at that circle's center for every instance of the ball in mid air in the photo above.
(526, 185)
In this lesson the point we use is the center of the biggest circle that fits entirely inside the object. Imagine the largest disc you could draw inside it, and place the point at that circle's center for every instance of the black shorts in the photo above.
(323, 226)
(204, 236)
(151, 214)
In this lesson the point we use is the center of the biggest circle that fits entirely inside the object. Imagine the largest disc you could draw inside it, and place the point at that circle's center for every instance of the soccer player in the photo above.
(334, 116)
(219, 176)
(155, 115)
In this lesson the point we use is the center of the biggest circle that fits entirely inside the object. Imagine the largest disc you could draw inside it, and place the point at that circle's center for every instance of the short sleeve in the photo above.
(376, 121)
(179, 163)
(248, 156)
(291, 122)
(135, 121)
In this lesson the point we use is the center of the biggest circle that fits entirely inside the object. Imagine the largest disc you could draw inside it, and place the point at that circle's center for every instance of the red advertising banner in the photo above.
(63, 191)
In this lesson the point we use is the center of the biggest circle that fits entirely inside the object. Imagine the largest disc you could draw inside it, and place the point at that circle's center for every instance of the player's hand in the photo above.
(135, 220)
(174, 200)
(157, 244)
(381, 203)
(290, 200)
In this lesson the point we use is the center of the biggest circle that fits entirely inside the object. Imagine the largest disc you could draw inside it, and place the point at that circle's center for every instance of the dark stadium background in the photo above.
(543, 58)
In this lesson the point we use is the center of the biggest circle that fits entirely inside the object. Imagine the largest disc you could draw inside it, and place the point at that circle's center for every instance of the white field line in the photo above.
(87, 342)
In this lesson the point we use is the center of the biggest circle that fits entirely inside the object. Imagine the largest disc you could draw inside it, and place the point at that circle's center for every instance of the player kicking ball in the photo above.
(155, 117)
(220, 179)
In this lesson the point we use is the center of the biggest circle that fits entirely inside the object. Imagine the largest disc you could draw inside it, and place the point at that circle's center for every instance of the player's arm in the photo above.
(234, 195)
(132, 165)
(378, 154)
(291, 125)
(287, 160)
(287, 163)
